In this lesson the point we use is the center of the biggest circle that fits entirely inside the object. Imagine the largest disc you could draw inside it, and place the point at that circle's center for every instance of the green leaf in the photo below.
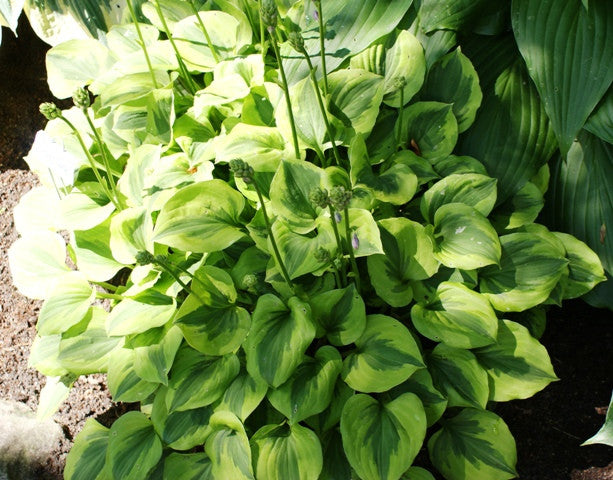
(152, 362)
(298, 251)
(605, 434)
(182, 430)
(464, 92)
(134, 448)
(38, 263)
(569, 94)
(417, 473)
(123, 382)
(404, 60)
(420, 383)
(289, 193)
(198, 380)
(191, 466)
(518, 366)
(472, 189)
(600, 122)
(579, 198)
(336, 466)
(131, 232)
(408, 256)
(87, 457)
(457, 375)
(363, 225)
(386, 356)
(585, 269)
(464, 238)
(93, 253)
(350, 28)
(431, 126)
(529, 270)
(309, 390)
(418, 165)
(217, 326)
(451, 14)
(77, 211)
(396, 185)
(53, 394)
(203, 217)
(519, 210)
(341, 314)
(228, 448)
(382, 439)
(511, 114)
(355, 98)
(454, 165)
(66, 306)
(44, 356)
(243, 395)
(456, 316)
(280, 334)
(88, 350)
(286, 451)
(76, 63)
(131, 316)
(474, 444)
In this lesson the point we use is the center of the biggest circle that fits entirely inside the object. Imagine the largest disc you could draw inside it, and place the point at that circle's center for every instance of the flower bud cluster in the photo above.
(144, 258)
(319, 197)
(296, 41)
(50, 110)
(80, 98)
(242, 169)
(340, 197)
(269, 14)
(322, 255)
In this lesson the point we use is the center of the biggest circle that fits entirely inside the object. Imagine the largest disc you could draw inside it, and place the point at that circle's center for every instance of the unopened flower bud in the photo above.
(321, 255)
(80, 98)
(296, 41)
(269, 14)
(355, 241)
(399, 83)
(249, 281)
(50, 110)
(340, 198)
(241, 169)
(144, 258)
(319, 197)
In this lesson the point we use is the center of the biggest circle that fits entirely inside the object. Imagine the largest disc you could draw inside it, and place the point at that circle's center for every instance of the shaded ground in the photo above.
(548, 427)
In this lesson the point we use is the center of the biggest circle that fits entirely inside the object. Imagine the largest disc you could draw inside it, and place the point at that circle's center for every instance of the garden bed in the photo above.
(548, 427)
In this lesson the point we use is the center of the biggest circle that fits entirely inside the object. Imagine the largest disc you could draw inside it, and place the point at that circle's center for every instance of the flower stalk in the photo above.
(322, 48)
(142, 43)
(205, 32)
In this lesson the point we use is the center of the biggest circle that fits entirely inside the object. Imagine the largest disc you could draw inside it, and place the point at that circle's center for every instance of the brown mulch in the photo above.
(548, 428)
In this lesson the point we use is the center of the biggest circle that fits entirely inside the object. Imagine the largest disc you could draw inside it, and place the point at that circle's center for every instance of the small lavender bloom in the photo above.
(337, 217)
(355, 241)
(316, 15)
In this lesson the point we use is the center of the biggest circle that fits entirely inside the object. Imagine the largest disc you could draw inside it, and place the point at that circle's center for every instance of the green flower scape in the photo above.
(279, 245)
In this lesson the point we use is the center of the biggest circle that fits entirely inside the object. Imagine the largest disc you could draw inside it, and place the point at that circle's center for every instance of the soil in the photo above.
(548, 428)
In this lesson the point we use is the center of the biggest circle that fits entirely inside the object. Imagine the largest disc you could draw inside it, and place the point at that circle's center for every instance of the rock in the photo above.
(25, 442)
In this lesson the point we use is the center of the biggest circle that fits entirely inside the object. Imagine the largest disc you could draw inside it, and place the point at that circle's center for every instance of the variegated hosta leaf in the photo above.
(198, 380)
(134, 448)
(519, 210)
(310, 388)
(336, 466)
(191, 466)
(382, 439)
(286, 451)
(87, 456)
(463, 92)
(131, 232)
(203, 217)
(605, 434)
(363, 226)
(456, 316)
(404, 61)
(180, 430)
(155, 355)
(457, 375)
(341, 314)
(243, 395)
(386, 355)
(280, 334)
(420, 383)
(474, 444)
(417, 473)
(132, 316)
(123, 382)
(409, 255)
(465, 239)
(518, 366)
(228, 448)
(529, 270)
(472, 189)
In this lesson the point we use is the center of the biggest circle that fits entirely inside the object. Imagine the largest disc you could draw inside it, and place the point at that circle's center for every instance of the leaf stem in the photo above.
(272, 239)
(182, 68)
(142, 43)
(354, 265)
(105, 285)
(321, 106)
(262, 34)
(275, 47)
(400, 114)
(205, 31)
(110, 296)
(167, 268)
(92, 162)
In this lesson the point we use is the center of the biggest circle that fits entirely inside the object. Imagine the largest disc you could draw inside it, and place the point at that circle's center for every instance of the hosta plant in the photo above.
(262, 232)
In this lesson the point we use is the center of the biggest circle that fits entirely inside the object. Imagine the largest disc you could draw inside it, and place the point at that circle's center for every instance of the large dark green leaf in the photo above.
(511, 134)
(475, 445)
(600, 122)
(382, 439)
(571, 71)
(452, 14)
